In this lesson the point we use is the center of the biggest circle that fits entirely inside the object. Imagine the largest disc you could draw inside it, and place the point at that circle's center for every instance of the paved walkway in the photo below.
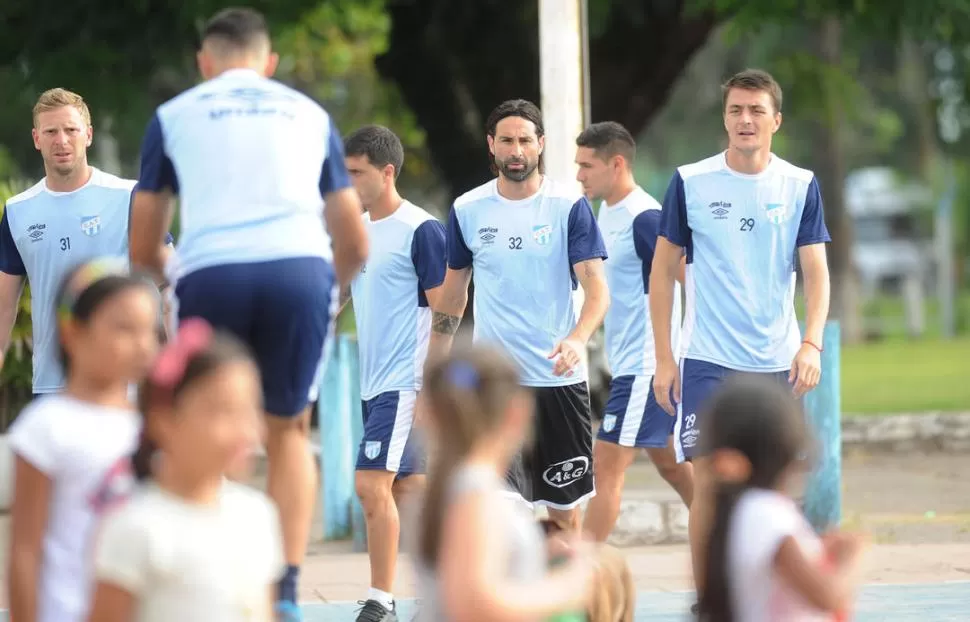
(907, 583)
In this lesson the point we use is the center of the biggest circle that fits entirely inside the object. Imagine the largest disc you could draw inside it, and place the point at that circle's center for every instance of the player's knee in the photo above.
(374, 489)
(610, 461)
(279, 428)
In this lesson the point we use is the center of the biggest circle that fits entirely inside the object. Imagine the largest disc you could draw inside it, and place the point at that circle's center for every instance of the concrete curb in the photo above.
(932, 431)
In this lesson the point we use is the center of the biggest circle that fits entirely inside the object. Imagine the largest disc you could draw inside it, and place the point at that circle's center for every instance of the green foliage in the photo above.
(17, 368)
(330, 54)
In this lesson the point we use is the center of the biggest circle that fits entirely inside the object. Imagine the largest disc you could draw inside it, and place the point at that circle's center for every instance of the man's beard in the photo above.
(517, 174)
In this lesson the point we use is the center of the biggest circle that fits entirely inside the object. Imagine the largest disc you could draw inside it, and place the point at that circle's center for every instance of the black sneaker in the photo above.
(373, 611)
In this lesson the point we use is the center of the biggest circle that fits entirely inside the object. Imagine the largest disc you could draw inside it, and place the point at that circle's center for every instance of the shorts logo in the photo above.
(372, 449)
(91, 225)
(609, 422)
(688, 436)
(542, 234)
(564, 473)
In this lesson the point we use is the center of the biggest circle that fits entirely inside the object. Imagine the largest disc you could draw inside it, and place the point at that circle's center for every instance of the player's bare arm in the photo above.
(350, 245)
(806, 369)
(11, 288)
(666, 267)
(151, 219)
(452, 298)
(343, 300)
(570, 351)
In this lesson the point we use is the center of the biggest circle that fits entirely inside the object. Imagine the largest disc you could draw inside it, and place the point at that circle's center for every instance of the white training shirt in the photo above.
(194, 563)
(762, 520)
(250, 160)
(84, 450)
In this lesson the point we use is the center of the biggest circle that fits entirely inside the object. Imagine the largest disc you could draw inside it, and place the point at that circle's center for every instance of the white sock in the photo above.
(382, 597)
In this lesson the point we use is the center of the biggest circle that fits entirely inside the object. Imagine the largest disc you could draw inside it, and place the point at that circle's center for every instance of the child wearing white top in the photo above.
(190, 545)
(764, 561)
(72, 449)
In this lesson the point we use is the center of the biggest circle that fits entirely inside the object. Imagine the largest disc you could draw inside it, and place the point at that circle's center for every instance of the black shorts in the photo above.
(555, 469)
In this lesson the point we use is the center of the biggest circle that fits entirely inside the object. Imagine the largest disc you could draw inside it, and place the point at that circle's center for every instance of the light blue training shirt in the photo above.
(44, 235)
(522, 255)
(407, 258)
(630, 229)
(250, 159)
(741, 234)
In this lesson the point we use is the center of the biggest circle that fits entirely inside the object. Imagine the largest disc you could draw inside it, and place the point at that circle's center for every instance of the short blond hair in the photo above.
(53, 99)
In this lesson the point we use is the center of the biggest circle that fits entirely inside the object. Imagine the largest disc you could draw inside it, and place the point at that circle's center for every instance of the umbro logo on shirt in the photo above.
(487, 234)
(36, 232)
(719, 209)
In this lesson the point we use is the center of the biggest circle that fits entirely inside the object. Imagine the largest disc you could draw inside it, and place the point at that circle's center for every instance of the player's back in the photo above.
(248, 155)
(630, 230)
(53, 232)
(522, 270)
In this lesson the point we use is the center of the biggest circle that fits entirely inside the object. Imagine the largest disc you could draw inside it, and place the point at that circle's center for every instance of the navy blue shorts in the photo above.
(633, 418)
(699, 379)
(388, 443)
(281, 309)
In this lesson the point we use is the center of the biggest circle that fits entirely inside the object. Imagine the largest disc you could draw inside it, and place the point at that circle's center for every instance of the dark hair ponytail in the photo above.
(715, 601)
(760, 425)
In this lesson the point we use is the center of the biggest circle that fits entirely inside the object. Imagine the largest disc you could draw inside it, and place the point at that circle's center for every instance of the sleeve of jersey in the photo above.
(169, 238)
(646, 227)
(334, 175)
(673, 219)
(812, 229)
(10, 260)
(428, 254)
(584, 240)
(459, 255)
(157, 171)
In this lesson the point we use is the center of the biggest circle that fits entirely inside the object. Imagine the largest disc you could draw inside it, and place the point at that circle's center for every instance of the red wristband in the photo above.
(812, 344)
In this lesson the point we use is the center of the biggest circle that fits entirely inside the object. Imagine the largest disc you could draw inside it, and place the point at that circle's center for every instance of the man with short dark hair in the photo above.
(258, 168)
(392, 298)
(741, 217)
(527, 240)
(629, 219)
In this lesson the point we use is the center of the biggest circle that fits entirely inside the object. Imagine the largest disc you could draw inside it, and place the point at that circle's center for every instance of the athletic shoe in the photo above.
(288, 611)
(373, 611)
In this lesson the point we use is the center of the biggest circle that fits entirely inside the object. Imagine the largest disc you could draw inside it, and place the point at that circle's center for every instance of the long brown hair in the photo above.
(468, 393)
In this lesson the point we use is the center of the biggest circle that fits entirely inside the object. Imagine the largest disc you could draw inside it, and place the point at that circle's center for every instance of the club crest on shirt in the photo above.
(776, 213)
(542, 234)
(91, 225)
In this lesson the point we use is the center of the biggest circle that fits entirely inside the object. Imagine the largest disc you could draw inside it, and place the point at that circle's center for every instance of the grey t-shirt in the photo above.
(524, 543)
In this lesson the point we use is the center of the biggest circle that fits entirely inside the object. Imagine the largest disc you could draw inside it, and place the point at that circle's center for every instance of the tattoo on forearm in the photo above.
(344, 295)
(444, 323)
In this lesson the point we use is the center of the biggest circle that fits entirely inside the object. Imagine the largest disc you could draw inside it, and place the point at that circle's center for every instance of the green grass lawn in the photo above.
(900, 375)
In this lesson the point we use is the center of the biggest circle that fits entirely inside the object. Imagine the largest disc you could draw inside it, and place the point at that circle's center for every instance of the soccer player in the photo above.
(629, 219)
(526, 240)
(257, 167)
(391, 299)
(72, 215)
(743, 217)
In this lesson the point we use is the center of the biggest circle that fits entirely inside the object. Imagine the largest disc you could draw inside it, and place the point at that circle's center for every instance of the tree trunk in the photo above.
(831, 172)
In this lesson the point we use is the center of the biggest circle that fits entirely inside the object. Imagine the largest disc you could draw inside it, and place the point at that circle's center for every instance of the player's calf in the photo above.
(679, 476)
(610, 462)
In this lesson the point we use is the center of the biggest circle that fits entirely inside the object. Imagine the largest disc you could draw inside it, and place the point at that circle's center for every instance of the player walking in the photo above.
(629, 219)
(529, 240)
(255, 164)
(742, 217)
(391, 299)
